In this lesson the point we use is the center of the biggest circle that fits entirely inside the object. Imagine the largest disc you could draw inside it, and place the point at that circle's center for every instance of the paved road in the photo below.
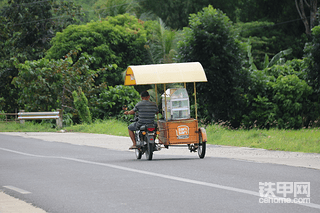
(63, 177)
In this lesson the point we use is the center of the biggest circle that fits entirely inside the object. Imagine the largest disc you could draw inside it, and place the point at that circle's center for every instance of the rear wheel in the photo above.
(138, 153)
(201, 148)
(149, 151)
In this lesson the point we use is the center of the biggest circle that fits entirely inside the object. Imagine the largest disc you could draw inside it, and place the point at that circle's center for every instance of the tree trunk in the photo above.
(313, 12)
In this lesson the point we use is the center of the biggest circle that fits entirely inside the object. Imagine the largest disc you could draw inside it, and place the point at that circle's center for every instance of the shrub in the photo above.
(209, 40)
(290, 95)
(110, 101)
(81, 104)
(115, 43)
(47, 84)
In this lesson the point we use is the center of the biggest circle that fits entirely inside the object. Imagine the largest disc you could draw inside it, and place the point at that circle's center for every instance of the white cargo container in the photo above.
(178, 105)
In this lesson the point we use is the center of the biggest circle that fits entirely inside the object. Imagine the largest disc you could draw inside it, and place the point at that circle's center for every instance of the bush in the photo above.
(209, 40)
(290, 95)
(81, 104)
(47, 84)
(110, 101)
(278, 97)
(115, 43)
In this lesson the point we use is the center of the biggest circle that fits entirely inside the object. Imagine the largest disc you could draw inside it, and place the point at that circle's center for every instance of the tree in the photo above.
(111, 99)
(115, 43)
(81, 104)
(312, 51)
(161, 42)
(278, 97)
(313, 7)
(33, 24)
(262, 41)
(176, 13)
(48, 84)
(114, 7)
(210, 41)
(26, 27)
(312, 57)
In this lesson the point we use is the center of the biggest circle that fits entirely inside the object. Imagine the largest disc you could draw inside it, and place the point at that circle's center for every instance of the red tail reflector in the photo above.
(151, 129)
(151, 139)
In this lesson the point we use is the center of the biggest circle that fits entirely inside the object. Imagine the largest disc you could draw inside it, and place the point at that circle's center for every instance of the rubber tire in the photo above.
(138, 154)
(202, 147)
(149, 151)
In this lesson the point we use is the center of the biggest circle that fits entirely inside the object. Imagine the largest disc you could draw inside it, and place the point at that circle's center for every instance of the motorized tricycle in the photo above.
(176, 128)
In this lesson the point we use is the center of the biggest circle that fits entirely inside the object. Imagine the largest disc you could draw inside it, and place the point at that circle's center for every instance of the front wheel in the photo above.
(201, 148)
(149, 151)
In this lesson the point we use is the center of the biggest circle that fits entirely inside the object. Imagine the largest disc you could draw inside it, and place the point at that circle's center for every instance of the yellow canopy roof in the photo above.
(165, 73)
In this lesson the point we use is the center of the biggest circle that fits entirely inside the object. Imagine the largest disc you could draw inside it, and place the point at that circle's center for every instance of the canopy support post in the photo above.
(195, 99)
(156, 91)
(165, 101)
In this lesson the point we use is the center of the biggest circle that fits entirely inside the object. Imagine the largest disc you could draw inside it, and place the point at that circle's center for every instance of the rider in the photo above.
(147, 111)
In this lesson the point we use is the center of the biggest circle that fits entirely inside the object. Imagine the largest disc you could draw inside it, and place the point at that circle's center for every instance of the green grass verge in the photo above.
(304, 140)
(109, 127)
(26, 127)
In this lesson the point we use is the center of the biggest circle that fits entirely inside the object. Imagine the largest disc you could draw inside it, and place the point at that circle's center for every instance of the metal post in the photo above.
(59, 120)
(22, 121)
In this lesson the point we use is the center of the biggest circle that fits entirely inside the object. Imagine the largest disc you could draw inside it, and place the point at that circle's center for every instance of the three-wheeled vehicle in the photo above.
(177, 127)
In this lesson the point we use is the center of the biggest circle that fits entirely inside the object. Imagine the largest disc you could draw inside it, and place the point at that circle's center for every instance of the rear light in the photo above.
(151, 129)
(151, 139)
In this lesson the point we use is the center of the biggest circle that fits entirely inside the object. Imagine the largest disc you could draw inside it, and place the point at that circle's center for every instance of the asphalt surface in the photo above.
(81, 176)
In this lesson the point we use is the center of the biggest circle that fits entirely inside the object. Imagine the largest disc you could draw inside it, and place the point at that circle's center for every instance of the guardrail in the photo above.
(57, 115)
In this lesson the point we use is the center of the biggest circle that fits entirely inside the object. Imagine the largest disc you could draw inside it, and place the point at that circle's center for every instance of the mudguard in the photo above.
(203, 134)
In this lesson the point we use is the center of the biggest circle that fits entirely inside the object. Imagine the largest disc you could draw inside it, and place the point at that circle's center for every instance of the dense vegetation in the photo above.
(260, 58)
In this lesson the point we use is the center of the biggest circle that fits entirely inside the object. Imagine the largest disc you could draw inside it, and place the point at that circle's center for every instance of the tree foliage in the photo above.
(115, 43)
(48, 84)
(110, 101)
(81, 104)
(312, 51)
(26, 29)
(161, 43)
(107, 8)
(267, 39)
(278, 97)
(33, 24)
(175, 14)
(313, 7)
(209, 40)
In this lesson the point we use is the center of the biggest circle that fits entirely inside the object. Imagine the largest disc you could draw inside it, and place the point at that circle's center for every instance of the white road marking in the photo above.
(21, 191)
(218, 186)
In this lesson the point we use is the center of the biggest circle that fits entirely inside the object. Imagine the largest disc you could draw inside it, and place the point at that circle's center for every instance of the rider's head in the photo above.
(145, 95)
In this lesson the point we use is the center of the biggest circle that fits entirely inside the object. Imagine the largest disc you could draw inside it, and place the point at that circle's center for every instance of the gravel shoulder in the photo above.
(308, 160)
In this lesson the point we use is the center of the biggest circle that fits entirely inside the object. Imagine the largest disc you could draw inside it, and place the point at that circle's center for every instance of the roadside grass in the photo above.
(26, 127)
(109, 127)
(303, 140)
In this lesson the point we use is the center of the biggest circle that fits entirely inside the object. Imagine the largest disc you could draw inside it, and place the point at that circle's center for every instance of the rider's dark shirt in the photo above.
(146, 111)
